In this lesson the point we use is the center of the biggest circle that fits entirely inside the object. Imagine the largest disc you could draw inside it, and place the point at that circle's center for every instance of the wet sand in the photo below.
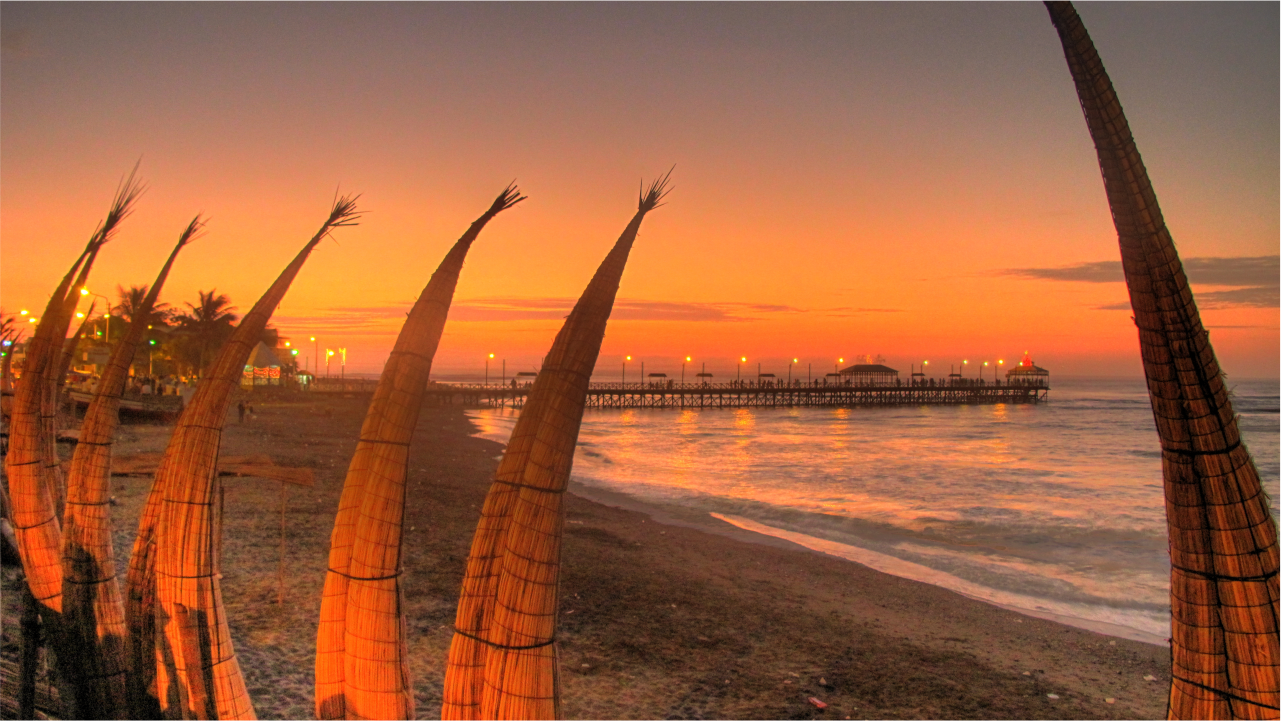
(688, 618)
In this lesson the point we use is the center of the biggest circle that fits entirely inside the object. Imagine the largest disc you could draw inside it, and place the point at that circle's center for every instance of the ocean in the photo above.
(1055, 510)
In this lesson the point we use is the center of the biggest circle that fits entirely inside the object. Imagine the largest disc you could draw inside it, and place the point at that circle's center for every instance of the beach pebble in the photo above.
(1149, 677)
(1051, 696)
(817, 704)
(1109, 700)
(1027, 673)
(1111, 643)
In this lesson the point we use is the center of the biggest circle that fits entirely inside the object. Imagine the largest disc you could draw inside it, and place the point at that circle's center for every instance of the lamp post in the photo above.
(789, 370)
(997, 370)
(316, 353)
(343, 366)
(963, 364)
(151, 345)
(625, 359)
(502, 379)
(107, 317)
(981, 371)
(741, 361)
(491, 355)
(839, 361)
(687, 359)
(328, 355)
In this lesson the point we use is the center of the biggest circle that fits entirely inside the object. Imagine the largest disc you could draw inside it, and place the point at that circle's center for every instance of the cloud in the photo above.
(1261, 296)
(387, 319)
(1253, 281)
(507, 309)
(16, 43)
(851, 312)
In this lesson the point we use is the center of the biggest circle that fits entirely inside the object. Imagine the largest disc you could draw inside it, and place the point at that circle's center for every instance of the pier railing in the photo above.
(750, 394)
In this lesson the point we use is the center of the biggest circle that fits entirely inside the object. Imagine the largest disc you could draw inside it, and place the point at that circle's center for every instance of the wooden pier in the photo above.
(733, 395)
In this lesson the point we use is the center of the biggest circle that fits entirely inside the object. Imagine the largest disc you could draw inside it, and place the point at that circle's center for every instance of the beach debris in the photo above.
(1052, 696)
(1149, 677)
(362, 665)
(1223, 539)
(1109, 700)
(503, 659)
(817, 704)
(178, 547)
(1027, 673)
(1111, 643)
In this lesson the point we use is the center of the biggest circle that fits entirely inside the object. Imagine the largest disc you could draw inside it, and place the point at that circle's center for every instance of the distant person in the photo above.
(240, 409)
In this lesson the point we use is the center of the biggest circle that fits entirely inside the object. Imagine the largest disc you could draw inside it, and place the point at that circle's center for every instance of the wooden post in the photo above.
(280, 573)
(30, 654)
(189, 632)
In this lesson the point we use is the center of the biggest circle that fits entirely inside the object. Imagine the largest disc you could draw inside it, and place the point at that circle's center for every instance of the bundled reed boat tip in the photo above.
(362, 668)
(1224, 644)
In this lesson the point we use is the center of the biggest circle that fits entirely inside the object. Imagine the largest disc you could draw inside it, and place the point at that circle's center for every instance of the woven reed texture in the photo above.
(1223, 540)
(362, 669)
(187, 547)
(35, 521)
(93, 609)
(502, 660)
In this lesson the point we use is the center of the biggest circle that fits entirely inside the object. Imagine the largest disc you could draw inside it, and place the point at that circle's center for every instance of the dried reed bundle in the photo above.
(361, 665)
(32, 456)
(93, 612)
(1223, 541)
(502, 661)
(186, 545)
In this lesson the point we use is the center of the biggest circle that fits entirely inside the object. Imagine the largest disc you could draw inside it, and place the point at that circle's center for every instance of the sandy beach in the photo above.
(663, 614)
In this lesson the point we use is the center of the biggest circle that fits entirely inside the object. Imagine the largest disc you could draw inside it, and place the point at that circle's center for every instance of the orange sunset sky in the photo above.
(912, 180)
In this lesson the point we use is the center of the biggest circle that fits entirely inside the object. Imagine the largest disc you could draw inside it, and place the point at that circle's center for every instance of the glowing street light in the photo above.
(106, 318)
(789, 370)
(328, 355)
(687, 359)
(487, 359)
(625, 370)
(315, 351)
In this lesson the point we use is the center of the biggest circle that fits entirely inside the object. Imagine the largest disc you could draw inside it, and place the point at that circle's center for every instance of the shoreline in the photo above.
(753, 532)
(659, 617)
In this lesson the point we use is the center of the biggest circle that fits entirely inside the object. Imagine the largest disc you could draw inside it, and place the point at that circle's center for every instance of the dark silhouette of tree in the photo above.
(131, 299)
(206, 325)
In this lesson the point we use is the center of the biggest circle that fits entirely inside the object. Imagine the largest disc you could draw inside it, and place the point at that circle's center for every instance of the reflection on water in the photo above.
(1060, 502)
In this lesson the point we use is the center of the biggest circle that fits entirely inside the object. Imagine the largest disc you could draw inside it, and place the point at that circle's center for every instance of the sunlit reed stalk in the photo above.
(362, 669)
(1223, 540)
(186, 548)
(502, 660)
(93, 610)
(29, 463)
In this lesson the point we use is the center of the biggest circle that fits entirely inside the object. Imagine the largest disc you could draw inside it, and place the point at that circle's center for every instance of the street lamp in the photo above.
(343, 367)
(625, 370)
(687, 359)
(315, 361)
(328, 354)
(963, 364)
(997, 371)
(106, 318)
(741, 361)
(491, 355)
(981, 371)
(789, 370)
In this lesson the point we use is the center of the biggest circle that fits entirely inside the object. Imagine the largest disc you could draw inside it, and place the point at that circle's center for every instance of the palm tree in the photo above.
(131, 300)
(210, 323)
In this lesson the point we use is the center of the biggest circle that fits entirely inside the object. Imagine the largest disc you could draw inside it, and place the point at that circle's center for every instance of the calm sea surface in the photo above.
(1054, 509)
